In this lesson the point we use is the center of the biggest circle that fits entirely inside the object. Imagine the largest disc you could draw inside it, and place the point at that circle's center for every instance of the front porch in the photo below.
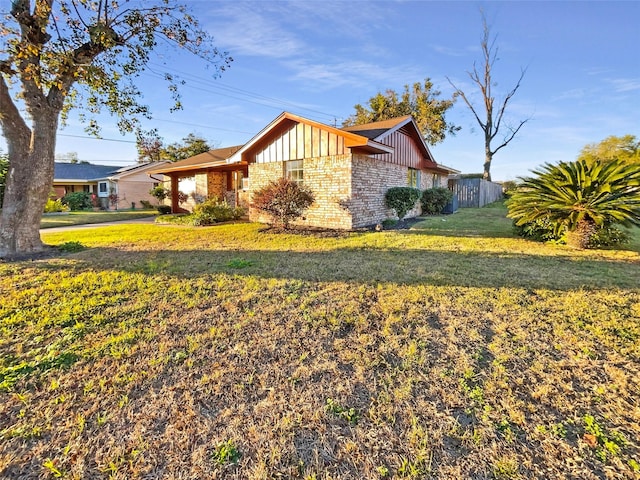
(205, 176)
(221, 183)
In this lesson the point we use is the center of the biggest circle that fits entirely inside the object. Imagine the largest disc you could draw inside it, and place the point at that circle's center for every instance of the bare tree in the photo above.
(494, 121)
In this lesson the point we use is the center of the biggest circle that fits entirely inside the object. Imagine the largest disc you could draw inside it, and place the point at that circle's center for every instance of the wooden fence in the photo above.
(475, 192)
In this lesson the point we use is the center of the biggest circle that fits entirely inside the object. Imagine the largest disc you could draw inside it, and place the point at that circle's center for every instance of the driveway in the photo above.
(98, 225)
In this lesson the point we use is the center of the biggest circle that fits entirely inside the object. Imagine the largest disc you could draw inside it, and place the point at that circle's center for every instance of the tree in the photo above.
(191, 145)
(151, 147)
(55, 55)
(4, 167)
(625, 149)
(417, 100)
(491, 120)
(69, 157)
(579, 197)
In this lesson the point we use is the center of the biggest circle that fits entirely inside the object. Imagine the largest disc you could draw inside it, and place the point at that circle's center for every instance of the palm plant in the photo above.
(579, 197)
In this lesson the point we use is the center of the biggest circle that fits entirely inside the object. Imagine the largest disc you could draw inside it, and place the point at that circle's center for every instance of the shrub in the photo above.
(579, 198)
(163, 209)
(78, 201)
(146, 204)
(401, 199)
(160, 193)
(283, 200)
(540, 230)
(213, 211)
(608, 236)
(435, 199)
(53, 206)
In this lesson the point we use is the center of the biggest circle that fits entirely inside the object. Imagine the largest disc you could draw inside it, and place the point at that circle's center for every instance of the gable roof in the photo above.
(384, 128)
(211, 158)
(375, 130)
(351, 140)
(123, 172)
(80, 172)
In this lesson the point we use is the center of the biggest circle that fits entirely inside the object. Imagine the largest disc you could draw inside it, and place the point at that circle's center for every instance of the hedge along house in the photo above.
(349, 170)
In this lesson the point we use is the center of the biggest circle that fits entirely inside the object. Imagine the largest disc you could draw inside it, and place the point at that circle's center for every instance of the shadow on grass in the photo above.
(371, 266)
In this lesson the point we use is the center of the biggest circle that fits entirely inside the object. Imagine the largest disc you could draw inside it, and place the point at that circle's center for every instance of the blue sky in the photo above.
(319, 58)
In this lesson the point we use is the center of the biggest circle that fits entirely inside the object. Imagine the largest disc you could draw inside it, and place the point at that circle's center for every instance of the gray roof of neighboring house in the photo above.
(81, 171)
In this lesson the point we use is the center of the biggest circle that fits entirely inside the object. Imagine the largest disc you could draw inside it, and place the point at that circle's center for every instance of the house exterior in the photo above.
(348, 169)
(113, 187)
(77, 177)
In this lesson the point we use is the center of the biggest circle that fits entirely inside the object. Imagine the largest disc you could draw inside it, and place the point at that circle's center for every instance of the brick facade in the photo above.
(349, 189)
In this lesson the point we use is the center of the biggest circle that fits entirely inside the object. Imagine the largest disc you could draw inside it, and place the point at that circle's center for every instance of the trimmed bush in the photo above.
(435, 199)
(401, 199)
(283, 200)
(213, 211)
(163, 209)
(160, 193)
(78, 201)
(54, 206)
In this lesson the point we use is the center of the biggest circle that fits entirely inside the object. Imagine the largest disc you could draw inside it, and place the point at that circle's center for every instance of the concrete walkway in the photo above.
(145, 220)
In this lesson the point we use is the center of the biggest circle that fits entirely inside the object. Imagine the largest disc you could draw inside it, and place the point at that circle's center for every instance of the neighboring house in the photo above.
(349, 170)
(77, 177)
(113, 187)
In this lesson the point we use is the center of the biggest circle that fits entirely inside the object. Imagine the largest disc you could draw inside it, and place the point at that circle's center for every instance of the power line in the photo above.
(86, 137)
(279, 103)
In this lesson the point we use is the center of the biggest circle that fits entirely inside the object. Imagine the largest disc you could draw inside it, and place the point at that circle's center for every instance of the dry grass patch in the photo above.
(171, 352)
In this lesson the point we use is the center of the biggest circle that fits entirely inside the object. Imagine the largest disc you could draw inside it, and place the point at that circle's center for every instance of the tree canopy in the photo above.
(55, 55)
(419, 100)
(625, 148)
(151, 147)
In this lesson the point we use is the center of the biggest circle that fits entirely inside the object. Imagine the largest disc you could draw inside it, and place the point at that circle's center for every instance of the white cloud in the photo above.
(245, 30)
(625, 84)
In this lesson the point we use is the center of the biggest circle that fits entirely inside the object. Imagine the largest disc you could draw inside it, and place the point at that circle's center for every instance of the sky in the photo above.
(318, 59)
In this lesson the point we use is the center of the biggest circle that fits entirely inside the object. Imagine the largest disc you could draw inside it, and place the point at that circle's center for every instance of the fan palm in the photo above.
(579, 197)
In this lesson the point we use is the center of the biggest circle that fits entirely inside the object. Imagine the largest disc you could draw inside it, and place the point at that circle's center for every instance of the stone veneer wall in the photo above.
(371, 179)
(329, 179)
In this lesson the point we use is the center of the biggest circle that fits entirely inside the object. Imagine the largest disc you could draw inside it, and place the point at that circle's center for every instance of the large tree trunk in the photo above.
(29, 180)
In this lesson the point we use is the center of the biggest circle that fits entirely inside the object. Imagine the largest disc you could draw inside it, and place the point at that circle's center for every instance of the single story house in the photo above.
(348, 169)
(126, 185)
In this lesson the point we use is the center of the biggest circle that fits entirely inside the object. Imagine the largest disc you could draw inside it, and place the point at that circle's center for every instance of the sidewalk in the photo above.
(144, 220)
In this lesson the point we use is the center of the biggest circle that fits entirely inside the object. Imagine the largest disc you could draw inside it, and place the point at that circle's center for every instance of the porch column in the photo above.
(175, 207)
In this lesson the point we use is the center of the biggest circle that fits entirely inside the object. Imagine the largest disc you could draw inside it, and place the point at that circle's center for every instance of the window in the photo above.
(293, 170)
(102, 187)
(413, 178)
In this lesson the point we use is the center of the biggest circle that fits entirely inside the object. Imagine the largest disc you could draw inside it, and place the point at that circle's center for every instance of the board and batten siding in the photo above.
(406, 152)
(301, 141)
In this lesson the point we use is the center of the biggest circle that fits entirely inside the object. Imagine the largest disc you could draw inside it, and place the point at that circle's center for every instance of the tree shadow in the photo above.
(371, 266)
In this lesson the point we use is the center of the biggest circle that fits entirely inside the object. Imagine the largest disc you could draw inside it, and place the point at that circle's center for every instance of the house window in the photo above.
(413, 178)
(102, 187)
(435, 182)
(293, 170)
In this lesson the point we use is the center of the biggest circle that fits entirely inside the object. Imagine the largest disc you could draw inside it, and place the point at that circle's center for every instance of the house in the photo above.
(113, 187)
(348, 169)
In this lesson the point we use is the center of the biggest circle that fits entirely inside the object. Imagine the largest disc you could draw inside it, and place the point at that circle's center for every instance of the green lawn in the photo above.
(81, 218)
(453, 351)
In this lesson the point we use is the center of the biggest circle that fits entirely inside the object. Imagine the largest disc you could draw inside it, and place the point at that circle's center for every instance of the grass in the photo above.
(450, 351)
(82, 218)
